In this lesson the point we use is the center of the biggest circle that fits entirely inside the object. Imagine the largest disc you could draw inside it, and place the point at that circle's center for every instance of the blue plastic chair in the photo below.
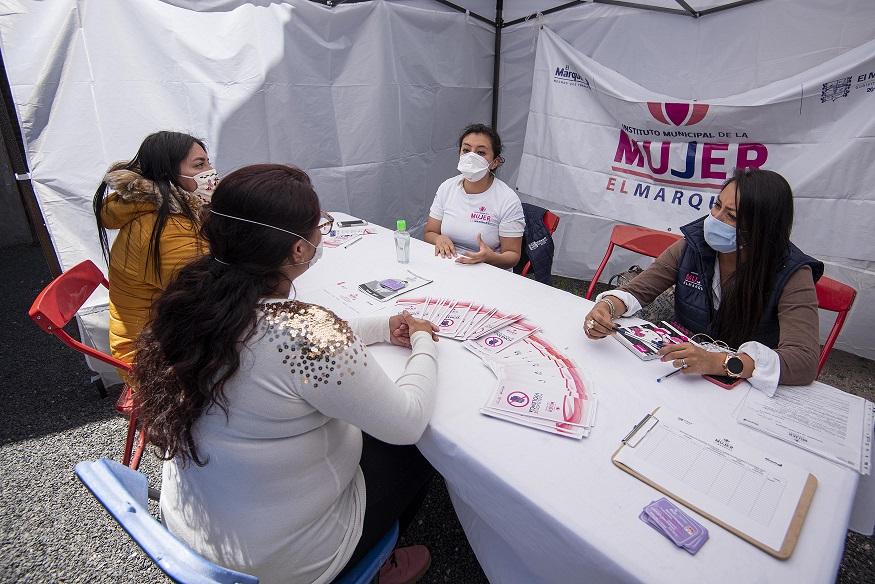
(123, 491)
(366, 570)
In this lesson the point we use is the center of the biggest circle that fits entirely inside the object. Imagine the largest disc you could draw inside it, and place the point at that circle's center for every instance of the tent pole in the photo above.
(726, 6)
(615, 3)
(466, 11)
(688, 8)
(14, 145)
(496, 66)
(644, 7)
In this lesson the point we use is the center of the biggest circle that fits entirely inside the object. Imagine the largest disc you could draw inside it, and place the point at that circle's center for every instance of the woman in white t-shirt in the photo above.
(476, 218)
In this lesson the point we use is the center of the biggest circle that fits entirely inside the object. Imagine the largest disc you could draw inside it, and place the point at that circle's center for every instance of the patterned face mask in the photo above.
(206, 183)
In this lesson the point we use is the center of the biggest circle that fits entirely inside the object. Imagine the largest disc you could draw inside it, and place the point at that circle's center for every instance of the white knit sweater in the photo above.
(282, 496)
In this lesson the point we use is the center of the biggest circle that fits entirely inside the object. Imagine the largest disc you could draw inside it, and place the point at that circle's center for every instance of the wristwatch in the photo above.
(733, 365)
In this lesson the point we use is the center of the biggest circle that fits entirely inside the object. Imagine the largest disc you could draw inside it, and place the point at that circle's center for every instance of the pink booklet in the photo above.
(646, 339)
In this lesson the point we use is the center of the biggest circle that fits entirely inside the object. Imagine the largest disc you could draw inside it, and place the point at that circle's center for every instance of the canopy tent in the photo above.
(369, 96)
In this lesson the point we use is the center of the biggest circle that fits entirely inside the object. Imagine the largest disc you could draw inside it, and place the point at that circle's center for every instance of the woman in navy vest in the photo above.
(738, 279)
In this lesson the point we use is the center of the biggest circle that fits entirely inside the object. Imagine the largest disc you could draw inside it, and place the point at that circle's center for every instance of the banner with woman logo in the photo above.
(599, 143)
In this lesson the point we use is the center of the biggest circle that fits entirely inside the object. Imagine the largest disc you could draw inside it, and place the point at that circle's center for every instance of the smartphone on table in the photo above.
(352, 223)
(724, 381)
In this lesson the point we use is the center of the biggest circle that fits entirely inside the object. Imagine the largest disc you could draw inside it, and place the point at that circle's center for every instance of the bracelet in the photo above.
(611, 306)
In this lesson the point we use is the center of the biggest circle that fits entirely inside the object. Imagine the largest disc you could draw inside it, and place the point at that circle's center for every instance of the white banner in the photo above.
(599, 143)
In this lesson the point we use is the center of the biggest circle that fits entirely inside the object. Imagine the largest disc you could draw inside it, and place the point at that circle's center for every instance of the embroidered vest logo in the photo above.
(536, 244)
(693, 280)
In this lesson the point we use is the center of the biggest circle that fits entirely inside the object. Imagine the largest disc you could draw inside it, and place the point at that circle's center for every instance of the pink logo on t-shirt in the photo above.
(481, 216)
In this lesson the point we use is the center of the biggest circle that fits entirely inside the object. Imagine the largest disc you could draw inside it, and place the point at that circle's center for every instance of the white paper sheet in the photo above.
(821, 419)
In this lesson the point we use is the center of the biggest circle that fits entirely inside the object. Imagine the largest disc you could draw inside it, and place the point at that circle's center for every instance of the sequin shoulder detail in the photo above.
(319, 347)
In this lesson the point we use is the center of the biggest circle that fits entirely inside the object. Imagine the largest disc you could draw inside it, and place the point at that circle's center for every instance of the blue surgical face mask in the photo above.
(719, 236)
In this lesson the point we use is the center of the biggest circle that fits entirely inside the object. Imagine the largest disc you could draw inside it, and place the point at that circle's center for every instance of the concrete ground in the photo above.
(52, 530)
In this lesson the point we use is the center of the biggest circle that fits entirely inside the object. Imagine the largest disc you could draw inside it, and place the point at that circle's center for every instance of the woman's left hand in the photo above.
(693, 359)
(476, 257)
(399, 332)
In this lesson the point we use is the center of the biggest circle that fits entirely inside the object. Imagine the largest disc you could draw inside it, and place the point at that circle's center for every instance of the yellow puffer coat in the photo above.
(133, 283)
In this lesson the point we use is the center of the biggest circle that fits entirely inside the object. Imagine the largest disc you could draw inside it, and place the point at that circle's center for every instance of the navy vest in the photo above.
(693, 305)
(537, 244)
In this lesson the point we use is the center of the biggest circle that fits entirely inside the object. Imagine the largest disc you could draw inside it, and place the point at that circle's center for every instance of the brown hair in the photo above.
(192, 345)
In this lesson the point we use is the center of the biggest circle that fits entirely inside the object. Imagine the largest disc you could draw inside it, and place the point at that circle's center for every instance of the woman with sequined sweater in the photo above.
(258, 403)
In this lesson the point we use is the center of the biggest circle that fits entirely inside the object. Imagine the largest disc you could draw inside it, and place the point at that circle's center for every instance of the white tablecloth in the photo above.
(543, 508)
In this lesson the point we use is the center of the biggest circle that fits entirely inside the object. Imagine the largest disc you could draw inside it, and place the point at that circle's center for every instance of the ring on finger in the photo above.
(590, 324)
(684, 364)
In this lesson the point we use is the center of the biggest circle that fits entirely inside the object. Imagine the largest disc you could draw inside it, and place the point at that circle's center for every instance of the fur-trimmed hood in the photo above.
(133, 196)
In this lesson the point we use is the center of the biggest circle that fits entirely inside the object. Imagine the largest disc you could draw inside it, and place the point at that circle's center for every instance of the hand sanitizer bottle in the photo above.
(402, 242)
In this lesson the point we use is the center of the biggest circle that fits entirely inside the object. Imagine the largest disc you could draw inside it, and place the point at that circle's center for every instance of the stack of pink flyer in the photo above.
(537, 386)
(469, 321)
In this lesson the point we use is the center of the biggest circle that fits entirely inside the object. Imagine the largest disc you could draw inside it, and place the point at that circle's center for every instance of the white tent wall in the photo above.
(368, 98)
(718, 55)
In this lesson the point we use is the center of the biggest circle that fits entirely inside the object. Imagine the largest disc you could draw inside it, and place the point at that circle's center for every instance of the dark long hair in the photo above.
(192, 345)
(157, 160)
(764, 218)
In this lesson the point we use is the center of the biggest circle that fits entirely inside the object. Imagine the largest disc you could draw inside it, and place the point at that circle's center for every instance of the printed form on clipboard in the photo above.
(757, 496)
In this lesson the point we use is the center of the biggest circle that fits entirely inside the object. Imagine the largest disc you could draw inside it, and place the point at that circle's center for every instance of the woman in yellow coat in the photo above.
(155, 202)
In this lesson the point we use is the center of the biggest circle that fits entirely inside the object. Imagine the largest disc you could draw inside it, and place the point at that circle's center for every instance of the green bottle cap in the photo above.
(401, 225)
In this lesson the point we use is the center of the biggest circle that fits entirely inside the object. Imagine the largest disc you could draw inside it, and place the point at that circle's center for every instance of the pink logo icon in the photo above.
(482, 209)
(678, 114)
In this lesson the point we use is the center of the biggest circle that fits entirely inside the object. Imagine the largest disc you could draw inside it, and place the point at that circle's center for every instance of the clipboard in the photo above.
(799, 506)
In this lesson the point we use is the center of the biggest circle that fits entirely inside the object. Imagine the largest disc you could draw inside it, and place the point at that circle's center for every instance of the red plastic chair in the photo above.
(551, 222)
(834, 296)
(649, 242)
(56, 306)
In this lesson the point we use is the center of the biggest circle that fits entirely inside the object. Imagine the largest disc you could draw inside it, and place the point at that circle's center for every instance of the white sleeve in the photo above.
(440, 200)
(766, 369)
(358, 391)
(371, 329)
(632, 304)
(513, 220)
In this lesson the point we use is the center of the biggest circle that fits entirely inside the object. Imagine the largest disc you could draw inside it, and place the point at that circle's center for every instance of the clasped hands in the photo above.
(401, 326)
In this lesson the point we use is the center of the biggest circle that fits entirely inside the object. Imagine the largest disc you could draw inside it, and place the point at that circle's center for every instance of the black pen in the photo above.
(667, 375)
(356, 240)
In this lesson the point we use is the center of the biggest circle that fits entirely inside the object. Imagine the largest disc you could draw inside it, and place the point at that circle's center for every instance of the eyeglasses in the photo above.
(327, 224)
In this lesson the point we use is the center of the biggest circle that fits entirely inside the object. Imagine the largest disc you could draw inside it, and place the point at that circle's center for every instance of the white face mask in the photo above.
(317, 255)
(473, 166)
(206, 183)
